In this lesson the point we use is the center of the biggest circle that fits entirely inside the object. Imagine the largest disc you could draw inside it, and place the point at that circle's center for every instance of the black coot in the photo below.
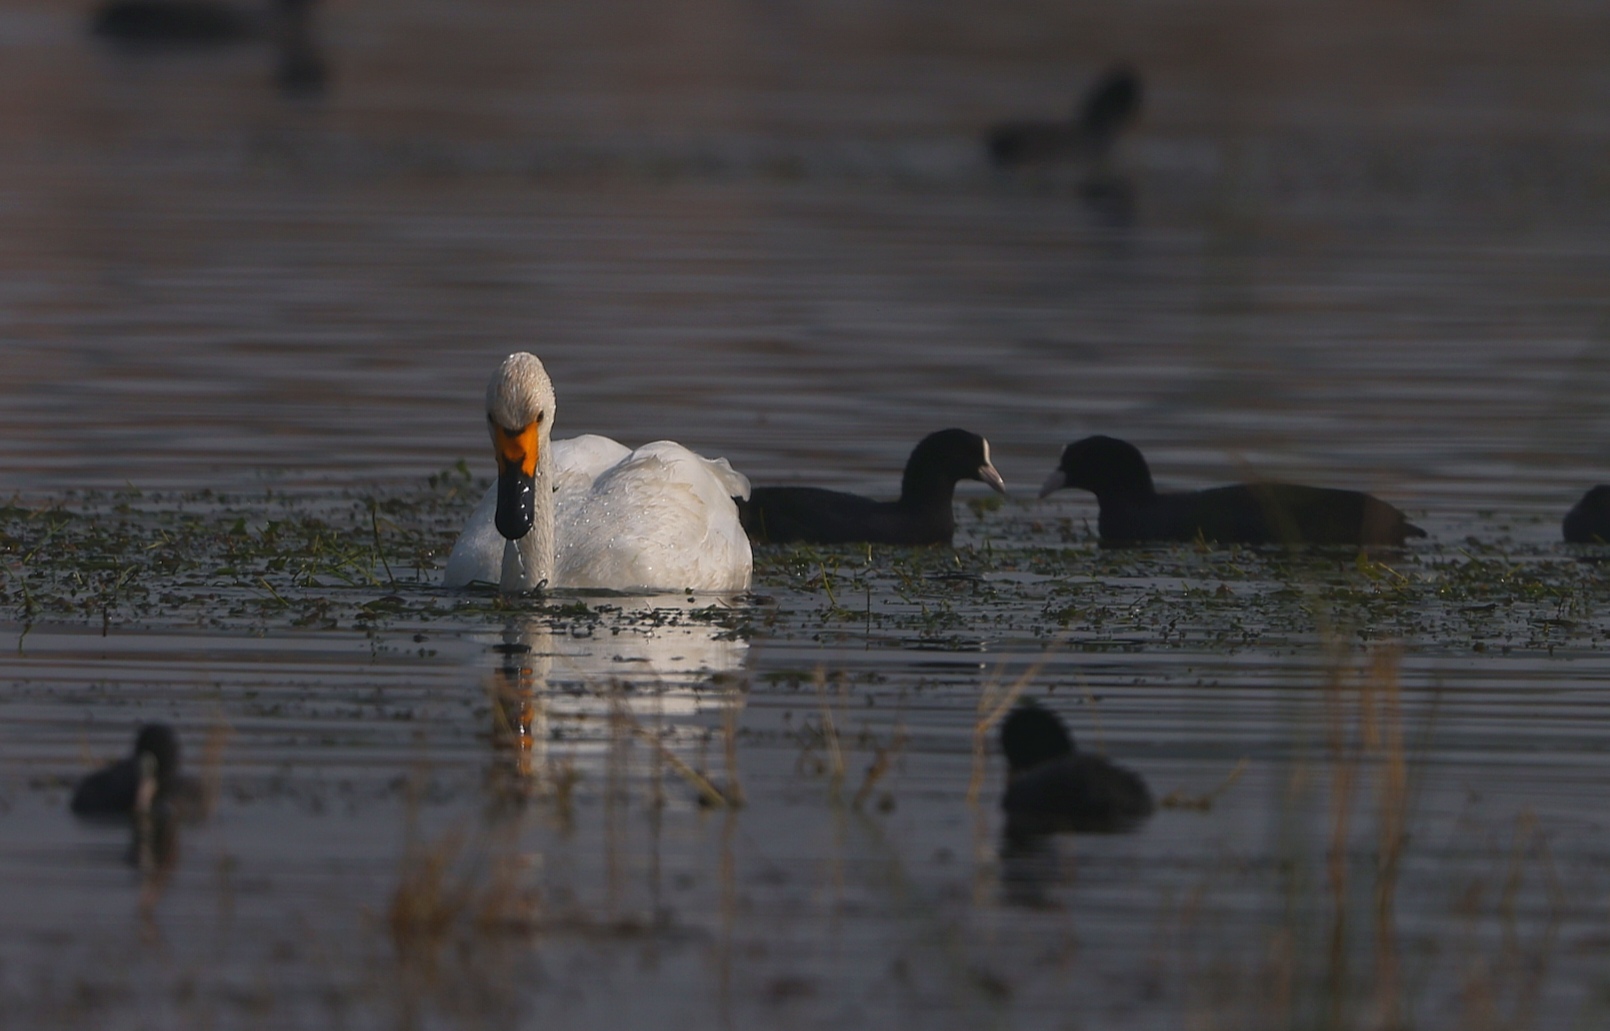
(1108, 107)
(1051, 787)
(175, 22)
(1258, 513)
(1588, 522)
(164, 25)
(147, 781)
(922, 515)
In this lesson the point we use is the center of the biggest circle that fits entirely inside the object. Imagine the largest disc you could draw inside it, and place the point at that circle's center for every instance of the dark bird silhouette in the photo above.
(176, 22)
(1052, 787)
(146, 782)
(205, 24)
(922, 515)
(1588, 522)
(1109, 106)
(1133, 511)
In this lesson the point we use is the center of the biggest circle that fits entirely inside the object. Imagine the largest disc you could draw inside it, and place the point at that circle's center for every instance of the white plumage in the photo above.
(660, 518)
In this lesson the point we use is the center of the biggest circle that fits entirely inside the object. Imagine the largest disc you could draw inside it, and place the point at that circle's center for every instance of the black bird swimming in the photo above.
(205, 24)
(1250, 513)
(174, 22)
(1051, 787)
(1108, 107)
(922, 515)
(147, 781)
(1588, 522)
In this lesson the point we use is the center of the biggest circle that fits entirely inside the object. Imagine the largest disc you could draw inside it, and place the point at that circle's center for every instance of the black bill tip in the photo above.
(517, 504)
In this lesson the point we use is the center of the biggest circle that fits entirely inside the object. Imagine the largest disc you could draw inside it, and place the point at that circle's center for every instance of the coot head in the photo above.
(161, 744)
(1111, 102)
(1032, 735)
(1105, 466)
(942, 458)
(1588, 522)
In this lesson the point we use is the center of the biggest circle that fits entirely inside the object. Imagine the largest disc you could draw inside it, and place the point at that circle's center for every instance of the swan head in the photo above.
(519, 414)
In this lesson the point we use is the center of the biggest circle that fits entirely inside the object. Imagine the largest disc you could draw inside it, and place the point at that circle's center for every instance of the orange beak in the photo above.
(517, 449)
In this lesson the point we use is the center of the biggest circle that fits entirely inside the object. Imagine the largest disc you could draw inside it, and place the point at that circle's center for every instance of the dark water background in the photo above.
(1362, 243)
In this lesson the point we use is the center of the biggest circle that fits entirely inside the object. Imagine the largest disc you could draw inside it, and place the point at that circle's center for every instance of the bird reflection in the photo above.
(524, 659)
(1030, 867)
(556, 666)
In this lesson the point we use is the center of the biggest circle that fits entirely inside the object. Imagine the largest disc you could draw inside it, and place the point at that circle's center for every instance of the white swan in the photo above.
(589, 513)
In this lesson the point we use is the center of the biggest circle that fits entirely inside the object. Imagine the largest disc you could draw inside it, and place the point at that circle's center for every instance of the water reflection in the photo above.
(1030, 867)
(594, 684)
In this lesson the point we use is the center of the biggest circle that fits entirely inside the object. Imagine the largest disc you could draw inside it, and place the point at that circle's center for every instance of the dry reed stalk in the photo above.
(426, 901)
(1180, 799)
(727, 876)
(830, 734)
(729, 729)
(708, 792)
(993, 704)
(212, 760)
(1393, 816)
(1345, 760)
(883, 758)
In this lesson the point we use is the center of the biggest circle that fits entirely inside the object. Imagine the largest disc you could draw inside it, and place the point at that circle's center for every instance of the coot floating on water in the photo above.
(1108, 107)
(194, 23)
(921, 515)
(166, 25)
(1052, 787)
(1255, 513)
(1588, 522)
(590, 513)
(146, 782)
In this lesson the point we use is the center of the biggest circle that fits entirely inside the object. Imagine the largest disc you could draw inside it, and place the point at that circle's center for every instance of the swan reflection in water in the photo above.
(639, 661)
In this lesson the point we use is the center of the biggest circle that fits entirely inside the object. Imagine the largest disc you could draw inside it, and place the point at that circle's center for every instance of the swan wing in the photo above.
(477, 555)
(578, 461)
(662, 518)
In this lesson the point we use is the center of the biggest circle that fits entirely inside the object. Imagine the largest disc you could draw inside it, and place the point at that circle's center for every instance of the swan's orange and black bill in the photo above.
(517, 484)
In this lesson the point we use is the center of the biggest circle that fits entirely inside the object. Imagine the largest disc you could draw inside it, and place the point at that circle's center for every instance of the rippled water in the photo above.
(1366, 247)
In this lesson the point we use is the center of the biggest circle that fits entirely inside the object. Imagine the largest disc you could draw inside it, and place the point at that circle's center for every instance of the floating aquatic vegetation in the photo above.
(369, 561)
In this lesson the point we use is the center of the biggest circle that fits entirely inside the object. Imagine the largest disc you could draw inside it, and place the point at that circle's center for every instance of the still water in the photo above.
(1365, 247)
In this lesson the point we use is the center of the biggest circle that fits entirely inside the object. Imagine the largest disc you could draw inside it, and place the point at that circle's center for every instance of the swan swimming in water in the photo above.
(590, 513)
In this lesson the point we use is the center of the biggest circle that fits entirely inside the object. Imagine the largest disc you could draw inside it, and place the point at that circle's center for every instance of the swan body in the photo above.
(590, 513)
